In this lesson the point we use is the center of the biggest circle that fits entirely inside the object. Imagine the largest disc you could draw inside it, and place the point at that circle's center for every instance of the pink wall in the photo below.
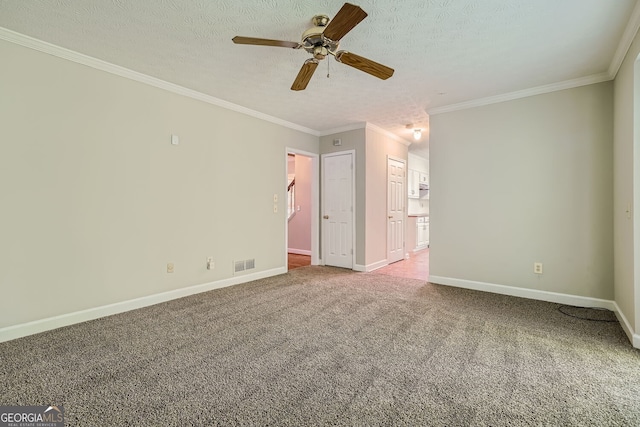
(300, 224)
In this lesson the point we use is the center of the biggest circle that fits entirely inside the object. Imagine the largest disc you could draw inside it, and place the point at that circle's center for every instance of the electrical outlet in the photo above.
(275, 208)
(275, 198)
(169, 267)
(537, 267)
(210, 264)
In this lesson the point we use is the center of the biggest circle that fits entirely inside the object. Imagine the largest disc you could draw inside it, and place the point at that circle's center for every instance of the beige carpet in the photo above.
(325, 346)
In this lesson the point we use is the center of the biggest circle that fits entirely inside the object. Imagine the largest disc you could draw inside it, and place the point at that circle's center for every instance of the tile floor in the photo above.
(416, 267)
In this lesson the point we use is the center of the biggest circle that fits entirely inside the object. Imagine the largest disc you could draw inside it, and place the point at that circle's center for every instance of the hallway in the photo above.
(416, 267)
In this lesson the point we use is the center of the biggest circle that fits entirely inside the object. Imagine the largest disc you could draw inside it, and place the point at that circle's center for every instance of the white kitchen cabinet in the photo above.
(413, 184)
(426, 233)
(422, 232)
(423, 185)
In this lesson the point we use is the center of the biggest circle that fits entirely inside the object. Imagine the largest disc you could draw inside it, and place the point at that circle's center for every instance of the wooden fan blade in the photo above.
(264, 42)
(347, 17)
(363, 64)
(304, 75)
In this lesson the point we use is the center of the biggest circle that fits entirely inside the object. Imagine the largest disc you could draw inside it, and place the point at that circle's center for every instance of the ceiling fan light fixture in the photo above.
(320, 52)
(323, 39)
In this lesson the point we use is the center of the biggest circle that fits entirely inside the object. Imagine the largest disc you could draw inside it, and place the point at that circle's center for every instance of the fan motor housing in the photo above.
(314, 42)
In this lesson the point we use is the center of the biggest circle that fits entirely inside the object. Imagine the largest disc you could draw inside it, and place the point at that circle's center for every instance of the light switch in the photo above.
(175, 140)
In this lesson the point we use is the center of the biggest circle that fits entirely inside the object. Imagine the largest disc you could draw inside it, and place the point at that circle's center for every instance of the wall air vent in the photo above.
(238, 266)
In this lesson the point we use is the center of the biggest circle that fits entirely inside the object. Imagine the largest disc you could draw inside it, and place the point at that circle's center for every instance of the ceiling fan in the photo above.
(323, 39)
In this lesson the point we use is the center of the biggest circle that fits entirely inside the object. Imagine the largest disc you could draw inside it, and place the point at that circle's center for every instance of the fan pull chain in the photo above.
(328, 67)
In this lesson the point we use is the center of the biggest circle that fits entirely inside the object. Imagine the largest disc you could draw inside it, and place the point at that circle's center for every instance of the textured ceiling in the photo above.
(443, 51)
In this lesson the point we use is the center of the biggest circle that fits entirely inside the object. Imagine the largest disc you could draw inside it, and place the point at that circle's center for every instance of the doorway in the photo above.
(415, 264)
(302, 195)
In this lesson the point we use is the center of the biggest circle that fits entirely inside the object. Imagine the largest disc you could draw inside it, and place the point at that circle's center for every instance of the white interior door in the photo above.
(396, 197)
(337, 207)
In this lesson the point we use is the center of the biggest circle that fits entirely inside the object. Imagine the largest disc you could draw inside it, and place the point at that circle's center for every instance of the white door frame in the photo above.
(635, 199)
(315, 205)
(353, 204)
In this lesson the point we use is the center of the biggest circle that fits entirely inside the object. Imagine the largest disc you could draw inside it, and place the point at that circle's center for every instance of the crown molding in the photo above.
(98, 64)
(366, 126)
(378, 129)
(346, 128)
(567, 84)
(623, 47)
(625, 41)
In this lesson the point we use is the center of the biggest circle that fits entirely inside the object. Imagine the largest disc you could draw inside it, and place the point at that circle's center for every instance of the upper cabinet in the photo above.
(423, 181)
(418, 177)
(414, 184)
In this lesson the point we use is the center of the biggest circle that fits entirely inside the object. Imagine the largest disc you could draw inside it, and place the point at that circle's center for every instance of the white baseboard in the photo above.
(42, 325)
(524, 292)
(626, 326)
(370, 267)
(299, 251)
(555, 297)
(377, 265)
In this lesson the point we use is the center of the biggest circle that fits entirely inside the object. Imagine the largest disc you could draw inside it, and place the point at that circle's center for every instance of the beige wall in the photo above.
(352, 140)
(372, 148)
(627, 295)
(635, 205)
(300, 225)
(378, 148)
(96, 201)
(526, 181)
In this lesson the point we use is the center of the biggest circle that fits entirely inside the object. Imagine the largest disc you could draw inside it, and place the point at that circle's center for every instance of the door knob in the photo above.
(390, 217)
(326, 217)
